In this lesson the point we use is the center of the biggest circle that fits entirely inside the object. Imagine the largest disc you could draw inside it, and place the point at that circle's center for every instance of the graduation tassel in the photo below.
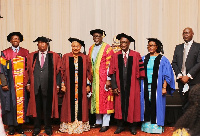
(84, 52)
(48, 46)
(134, 44)
(48, 40)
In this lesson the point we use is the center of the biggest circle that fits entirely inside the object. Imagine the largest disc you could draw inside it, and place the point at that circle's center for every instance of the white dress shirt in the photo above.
(127, 53)
(40, 55)
(184, 72)
(14, 49)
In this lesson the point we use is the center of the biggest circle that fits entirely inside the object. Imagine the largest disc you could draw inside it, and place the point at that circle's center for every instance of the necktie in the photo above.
(42, 60)
(15, 52)
(125, 59)
(184, 59)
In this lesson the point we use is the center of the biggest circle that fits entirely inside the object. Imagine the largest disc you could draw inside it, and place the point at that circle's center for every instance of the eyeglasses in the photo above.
(76, 47)
(96, 36)
(122, 42)
(151, 46)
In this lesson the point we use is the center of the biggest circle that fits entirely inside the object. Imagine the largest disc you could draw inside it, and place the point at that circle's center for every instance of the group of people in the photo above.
(110, 79)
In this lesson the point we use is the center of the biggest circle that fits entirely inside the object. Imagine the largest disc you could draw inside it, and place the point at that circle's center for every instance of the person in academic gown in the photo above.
(43, 80)
(102, 99)
(14, 101)
(126, 68)
(76, 85)
(3, 86)
(159, 81)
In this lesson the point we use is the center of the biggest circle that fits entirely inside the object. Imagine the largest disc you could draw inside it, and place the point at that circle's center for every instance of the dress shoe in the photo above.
(104, 129)
(49, 132)
(133, 131)
(11, 132)
(20, 131)
(35, 133)
(95, 126)
(119, 130)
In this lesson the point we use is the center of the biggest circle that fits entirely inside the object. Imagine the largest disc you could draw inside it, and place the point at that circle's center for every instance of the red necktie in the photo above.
(125, 59)
(42, 60)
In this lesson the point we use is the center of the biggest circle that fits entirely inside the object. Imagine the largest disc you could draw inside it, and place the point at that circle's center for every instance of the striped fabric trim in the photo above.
(140, 60)
(141, 65)
(2, 61)
(95, 83)
(142, 69)
(18, 76)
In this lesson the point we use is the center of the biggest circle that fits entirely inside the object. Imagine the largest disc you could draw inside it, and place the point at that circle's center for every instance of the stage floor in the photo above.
(95, 132)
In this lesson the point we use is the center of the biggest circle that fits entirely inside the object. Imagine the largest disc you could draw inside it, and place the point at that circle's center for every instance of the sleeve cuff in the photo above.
(88, 82)
(108, 78)
(189, 76)
(179, 75)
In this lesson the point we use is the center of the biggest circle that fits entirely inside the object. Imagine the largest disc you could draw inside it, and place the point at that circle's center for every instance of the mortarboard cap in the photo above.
(43, 39)
(79, 41)
(119, 36)
(98, 31)
(15, 33)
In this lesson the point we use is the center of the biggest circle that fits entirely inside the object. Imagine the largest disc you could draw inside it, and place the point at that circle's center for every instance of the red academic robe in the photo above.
(68, 76)
(127, 103)
(31, 60)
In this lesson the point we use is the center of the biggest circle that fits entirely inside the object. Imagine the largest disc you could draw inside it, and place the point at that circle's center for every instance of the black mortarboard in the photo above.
(43, 39)
(15, 33)
(79, 41)
(158, 43)
(119, 36)
(98, 31)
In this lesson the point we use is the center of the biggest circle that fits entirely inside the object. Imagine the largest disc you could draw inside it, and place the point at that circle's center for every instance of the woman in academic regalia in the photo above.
(159, 81)
(75, 85)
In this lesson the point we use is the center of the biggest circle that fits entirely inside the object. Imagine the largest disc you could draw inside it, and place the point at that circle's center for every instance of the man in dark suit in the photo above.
(186, 65)
(43, 69)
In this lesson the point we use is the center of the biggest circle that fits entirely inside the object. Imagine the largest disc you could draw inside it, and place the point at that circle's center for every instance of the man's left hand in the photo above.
(88, 89)
(5, 88)
(58, 88)
(185, 79)
(108, 84)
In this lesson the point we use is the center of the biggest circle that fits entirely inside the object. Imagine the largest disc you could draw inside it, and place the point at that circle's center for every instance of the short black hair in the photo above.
(158, 44)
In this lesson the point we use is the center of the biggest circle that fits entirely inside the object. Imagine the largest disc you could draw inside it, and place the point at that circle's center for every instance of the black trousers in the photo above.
(41, 106)
(120, 123)
(185, 98)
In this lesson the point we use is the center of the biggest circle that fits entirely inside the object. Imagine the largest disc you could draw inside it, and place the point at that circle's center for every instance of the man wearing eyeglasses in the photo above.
(126, 68)
(102, 99)
(186, 65)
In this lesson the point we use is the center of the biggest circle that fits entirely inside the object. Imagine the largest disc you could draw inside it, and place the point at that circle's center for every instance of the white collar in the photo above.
(45, 52)
(127, 53)
(13, 48)
(189, 43)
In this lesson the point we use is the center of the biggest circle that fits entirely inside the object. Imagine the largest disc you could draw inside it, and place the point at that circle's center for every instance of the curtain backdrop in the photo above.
(61, 19)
